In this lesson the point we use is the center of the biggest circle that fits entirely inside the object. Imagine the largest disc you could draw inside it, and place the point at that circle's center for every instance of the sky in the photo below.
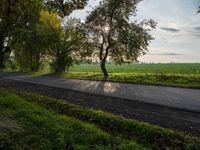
(177, 36)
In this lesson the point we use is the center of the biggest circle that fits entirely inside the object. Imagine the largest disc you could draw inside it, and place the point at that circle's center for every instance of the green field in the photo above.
(29, 121)
(176, 75)
(175, 69)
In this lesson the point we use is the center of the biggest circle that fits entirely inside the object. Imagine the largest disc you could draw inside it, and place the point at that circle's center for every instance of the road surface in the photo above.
(179, 98)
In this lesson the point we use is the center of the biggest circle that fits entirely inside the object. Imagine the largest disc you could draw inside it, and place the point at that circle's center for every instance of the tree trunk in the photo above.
(1, 52)
(37, 67)
(103, 68)
(1, 59)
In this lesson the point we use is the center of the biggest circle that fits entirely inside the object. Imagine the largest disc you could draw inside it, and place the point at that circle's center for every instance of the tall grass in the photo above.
(47, 123)
(43, 128)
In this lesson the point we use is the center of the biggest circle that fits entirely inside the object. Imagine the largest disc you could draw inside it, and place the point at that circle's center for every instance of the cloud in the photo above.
(173, 30)
(197, 28)
(166, 54)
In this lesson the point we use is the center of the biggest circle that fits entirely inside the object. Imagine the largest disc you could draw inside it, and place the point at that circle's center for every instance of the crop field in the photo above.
(175, 75)
(181, 69)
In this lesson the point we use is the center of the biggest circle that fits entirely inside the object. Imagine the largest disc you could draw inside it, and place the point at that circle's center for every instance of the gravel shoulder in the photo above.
(167, 117)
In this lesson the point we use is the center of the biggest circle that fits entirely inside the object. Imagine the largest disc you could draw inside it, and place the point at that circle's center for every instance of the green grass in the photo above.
(176, 69)
(175, 75)
(47, 123)
(41, 128)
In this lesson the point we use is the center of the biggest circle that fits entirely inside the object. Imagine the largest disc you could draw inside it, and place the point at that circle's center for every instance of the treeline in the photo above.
(33, 32)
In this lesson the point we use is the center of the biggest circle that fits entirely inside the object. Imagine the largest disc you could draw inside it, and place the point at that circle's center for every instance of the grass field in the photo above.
(29, 121)
(177, 75)
(175, 69)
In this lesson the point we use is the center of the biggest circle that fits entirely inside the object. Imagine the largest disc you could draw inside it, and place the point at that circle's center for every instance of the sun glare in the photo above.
(106, 29)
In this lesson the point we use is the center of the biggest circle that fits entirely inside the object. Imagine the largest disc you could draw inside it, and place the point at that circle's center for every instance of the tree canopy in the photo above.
(114, 35)
(65, 44)
(31, 43)
(36, 31)
(15, 14)
(22, 14)
(65, 8)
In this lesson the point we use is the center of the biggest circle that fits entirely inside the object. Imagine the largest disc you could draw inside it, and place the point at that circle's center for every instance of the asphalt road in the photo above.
(179, 98)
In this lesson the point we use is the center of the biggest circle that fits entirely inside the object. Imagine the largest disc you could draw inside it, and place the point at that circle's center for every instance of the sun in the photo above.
(106, 28)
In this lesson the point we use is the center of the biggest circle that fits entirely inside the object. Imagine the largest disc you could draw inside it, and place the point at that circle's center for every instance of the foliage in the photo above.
(66, 44)
(176, 75)
(14, 14)
(19, 19)
(113, 34)
(49, 39)
(27, 52)
(30, 43)
(70, 48)
(35, 31)
(65, 8)
(49, 27)
(149, 136)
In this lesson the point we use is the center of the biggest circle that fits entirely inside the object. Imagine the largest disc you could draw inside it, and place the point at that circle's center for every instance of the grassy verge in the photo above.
(186, 81)
(175, 75)
(90, 128)
(41, 128)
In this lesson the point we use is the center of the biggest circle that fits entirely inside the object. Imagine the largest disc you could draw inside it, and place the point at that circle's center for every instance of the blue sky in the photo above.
(177, 36)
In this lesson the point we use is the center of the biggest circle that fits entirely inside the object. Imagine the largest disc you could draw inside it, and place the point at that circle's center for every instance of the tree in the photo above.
(65, 8)
(113, 34)
(69, 47)
(66, 43)
(198, 10)
(14, 14)
(29, 48)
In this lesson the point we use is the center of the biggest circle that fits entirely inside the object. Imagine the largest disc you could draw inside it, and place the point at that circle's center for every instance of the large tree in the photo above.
(113, 34)
(27, 49)
(15, 14)
(18, 14)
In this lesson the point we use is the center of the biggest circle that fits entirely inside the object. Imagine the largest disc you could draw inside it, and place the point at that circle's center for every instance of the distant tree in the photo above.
(113, 34)
(199, 10)
(66, 44)
(69, 48)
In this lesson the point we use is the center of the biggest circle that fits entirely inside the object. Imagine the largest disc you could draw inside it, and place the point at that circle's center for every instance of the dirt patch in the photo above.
(8, 125)
(8, 128)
